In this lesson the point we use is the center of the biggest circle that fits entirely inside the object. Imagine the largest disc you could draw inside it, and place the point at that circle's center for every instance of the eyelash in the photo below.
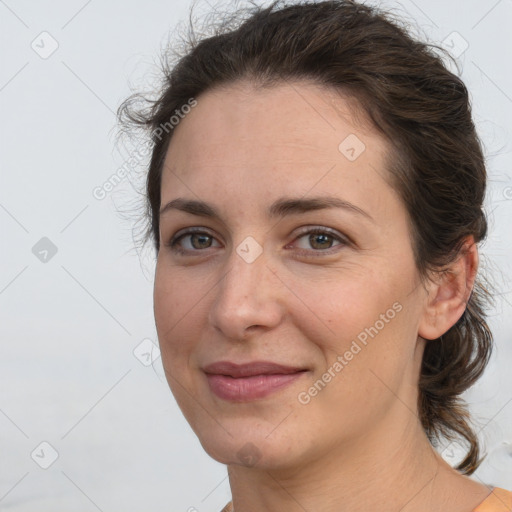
(173, 243)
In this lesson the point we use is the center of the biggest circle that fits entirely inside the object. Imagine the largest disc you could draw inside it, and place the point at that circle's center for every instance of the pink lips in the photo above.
(246, 382)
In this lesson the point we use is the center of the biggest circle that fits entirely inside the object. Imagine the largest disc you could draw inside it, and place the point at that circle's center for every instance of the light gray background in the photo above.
(69, 375)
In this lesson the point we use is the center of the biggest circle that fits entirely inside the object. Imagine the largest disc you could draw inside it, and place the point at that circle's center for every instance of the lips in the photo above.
(251, 381)
(249, 369)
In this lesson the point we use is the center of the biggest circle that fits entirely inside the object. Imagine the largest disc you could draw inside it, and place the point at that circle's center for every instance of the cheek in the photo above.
(175, 304)
(172, 302)
(336, 306)
(364, 318)
(173, 293)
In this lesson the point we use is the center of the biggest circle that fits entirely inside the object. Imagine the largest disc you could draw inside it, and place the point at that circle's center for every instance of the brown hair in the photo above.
(420, 107)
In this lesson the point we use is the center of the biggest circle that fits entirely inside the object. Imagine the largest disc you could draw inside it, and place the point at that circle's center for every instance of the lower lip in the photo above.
(245, 389)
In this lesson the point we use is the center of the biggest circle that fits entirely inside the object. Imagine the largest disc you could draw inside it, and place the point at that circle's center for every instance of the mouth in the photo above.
(251, 381)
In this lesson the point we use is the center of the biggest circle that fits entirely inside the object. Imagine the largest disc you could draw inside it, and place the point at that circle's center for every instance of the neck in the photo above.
(390, 469)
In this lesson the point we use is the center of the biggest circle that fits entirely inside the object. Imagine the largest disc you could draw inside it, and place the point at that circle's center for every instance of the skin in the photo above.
(358, 444)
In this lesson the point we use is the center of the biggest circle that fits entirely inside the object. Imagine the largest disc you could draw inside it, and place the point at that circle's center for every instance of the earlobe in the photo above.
(449, 293)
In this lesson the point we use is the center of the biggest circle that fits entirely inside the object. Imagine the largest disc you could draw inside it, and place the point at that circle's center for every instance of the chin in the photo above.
(242, 449)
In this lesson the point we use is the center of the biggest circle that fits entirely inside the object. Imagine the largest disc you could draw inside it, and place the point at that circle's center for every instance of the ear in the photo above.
(449, 293)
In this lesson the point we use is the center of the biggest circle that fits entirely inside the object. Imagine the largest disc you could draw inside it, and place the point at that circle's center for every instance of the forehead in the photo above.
(295, 136)
(291, 111)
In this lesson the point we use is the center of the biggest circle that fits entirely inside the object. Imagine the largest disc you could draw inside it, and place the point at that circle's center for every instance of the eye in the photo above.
(197, 241)
(321, 240)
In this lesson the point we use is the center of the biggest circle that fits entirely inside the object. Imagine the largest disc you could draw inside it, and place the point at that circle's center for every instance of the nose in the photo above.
(250, 296)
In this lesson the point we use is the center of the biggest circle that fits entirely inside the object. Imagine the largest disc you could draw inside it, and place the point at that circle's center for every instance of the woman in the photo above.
(315, 201)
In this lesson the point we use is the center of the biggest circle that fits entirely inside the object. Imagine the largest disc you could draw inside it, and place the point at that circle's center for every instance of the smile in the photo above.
(245, 389)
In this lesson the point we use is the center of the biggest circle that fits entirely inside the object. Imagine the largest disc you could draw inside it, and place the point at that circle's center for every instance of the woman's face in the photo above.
(342, 304)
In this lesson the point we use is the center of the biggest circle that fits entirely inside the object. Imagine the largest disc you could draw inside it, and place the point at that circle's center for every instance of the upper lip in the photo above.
(249, 369)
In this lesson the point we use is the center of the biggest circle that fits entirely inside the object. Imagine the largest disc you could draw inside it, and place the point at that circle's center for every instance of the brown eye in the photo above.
(320, 240)
(203, 241)
(191, 241)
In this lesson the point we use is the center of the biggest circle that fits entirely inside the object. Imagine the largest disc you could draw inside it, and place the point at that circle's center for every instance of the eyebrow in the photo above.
(279, 208)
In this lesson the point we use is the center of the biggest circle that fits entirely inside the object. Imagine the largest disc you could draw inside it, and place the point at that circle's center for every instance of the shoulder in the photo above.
(500, 500)
(228, 507)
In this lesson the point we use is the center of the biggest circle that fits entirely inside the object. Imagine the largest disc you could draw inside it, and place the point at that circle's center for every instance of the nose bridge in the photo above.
(247, 294)
(246, 278)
